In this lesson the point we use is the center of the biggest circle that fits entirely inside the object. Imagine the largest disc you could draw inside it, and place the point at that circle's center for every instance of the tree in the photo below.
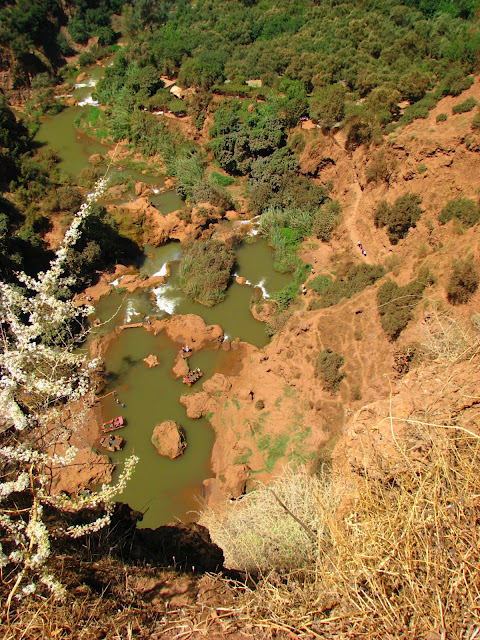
(40, 372)
(327, 105)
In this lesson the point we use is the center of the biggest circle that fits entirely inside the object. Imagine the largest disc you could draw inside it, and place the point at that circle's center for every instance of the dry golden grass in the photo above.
(402, 562)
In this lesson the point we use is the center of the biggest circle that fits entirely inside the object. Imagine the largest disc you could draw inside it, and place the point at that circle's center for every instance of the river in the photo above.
(163, 489)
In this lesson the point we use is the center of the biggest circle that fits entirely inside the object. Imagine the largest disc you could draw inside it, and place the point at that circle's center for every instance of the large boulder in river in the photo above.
(151, 361)
(168, 439)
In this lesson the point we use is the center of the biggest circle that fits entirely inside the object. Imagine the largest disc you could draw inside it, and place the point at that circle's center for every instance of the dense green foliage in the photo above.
(356, 279)
(462, 209)
(463, 281)
(327, 368)
(30, 32)
(205, 271)
(398, 217)
(396, 304)
(316, 58)
(285, 230)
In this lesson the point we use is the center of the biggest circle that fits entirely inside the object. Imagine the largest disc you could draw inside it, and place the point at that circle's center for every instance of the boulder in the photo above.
(151, 361)
(143, 190)
(240, 280)
(96, 159)
(180, 368)
(168, 439)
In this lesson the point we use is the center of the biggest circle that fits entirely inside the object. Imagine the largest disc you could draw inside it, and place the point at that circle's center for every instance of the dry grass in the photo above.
(259, 532)
(445, 338)
(404, 562)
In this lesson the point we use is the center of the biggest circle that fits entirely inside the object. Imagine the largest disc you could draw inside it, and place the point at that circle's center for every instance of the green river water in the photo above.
(162, 488)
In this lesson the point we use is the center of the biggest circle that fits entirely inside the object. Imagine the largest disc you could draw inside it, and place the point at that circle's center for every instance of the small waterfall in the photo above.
(165, 300)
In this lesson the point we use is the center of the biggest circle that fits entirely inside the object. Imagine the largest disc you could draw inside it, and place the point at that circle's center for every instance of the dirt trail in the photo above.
(355, 206)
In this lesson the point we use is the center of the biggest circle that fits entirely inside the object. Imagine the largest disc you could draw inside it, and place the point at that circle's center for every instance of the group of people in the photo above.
(364, 253)
(114, 393)
(185, 350)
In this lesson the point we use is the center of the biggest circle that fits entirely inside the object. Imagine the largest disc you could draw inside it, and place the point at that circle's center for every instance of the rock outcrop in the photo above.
(151, 361)
(168, 439)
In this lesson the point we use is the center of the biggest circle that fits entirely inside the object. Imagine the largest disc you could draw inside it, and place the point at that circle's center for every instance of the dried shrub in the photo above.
(463, 281)
(327, 367)
(381, 168)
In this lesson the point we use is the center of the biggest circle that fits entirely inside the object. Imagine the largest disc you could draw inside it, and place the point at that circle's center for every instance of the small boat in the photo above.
(112, 443)
(192, 377)
(114, 423)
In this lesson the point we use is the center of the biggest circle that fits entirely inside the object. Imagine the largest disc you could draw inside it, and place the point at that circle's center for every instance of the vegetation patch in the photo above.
(355, 280)
(396, 304)
(398, 217)
(463, 209)
(327, 368)
(244, 457)
(463, 281)
(465, 106)
(205, 271)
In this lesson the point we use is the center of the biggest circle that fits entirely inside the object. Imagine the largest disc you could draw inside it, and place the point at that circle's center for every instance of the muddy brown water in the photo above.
(170, 489)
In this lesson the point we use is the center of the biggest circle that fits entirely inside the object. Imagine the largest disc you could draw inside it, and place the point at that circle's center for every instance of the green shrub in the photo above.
(320, 283)
(86, 58)
(285, 228)
(441, 117)
(463, 209)
(205, 271)
(396, 304)
(326, 220)
(327, 367)
(476, 122)
(465, 106)
(355, 280)
(220, 180)
(463, 281)
(422, 168)
(285, 296)
(399, 217)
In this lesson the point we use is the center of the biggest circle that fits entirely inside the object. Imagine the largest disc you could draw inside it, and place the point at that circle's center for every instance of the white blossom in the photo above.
(37, 378)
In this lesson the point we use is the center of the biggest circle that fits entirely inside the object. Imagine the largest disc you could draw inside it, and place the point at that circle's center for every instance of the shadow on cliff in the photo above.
(180, 546)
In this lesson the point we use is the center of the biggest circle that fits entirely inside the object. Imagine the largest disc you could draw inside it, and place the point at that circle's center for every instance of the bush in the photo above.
(476, 122)
(465, 106)
(327, 367)
(396, 304)
(380, 168)
(86, 58)
(399, 217)
(441, 117)
(220, 180)
(285, 229)
(320, 283)
(205, 271)
(217, 196)
(463, 209)
(326, 220)
(69, 199)
(463, 281)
